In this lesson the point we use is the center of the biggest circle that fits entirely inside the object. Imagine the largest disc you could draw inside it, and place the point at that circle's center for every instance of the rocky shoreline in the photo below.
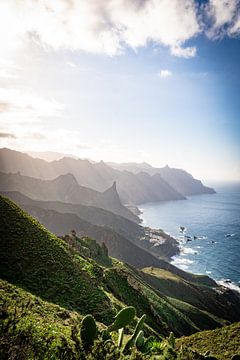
(160, 243)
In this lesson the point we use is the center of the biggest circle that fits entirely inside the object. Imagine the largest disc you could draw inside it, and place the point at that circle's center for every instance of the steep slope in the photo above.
(66, 189)
(178, 179)
(222, 343)
(221, 303)
(139, 188)
(60, 272)
(35, 259)
(60, 218)
(32, 328)
(118, 246)
(94, 215)
(184, 182)
(98, 176)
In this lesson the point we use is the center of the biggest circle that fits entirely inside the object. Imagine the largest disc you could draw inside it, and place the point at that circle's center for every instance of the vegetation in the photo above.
(222, 343)
(31, 328)
(51, 286)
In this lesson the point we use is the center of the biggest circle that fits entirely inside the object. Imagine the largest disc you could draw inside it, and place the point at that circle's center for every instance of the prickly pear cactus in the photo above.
(139, 342)
(138, 328)
(123, 318)
(88, 331)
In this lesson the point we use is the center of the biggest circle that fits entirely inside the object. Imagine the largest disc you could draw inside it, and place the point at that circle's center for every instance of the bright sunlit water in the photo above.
(215, 218)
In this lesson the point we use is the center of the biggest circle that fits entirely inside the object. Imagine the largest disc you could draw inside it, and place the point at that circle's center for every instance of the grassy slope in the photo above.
(222, 343)
(32, 324)
(59, 221)
(96, 216)
(199, 296)
(33, 328)
(36, 260)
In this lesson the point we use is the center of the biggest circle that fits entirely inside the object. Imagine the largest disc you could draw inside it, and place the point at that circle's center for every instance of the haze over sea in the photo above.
(215, 219)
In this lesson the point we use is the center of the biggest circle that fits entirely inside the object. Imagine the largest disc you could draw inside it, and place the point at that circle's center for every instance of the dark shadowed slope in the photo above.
(118, 246)
(94, 215)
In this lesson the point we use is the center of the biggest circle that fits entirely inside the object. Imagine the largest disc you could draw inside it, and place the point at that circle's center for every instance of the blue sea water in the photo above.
(215, 219)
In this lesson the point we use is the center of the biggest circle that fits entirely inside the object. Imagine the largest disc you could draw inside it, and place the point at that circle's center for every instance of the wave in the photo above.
(188, 251)
(229, 285)
(182, 263)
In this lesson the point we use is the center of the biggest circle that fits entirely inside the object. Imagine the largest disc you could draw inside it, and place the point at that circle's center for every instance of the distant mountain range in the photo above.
(65, 189)
(179, 179)
(136, 183)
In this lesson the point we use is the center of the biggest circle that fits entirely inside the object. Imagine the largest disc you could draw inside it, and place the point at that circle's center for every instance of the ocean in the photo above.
(212, 223)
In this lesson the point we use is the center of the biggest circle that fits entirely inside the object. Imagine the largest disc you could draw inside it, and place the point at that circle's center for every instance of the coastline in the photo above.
(181, 248)
(160, 243)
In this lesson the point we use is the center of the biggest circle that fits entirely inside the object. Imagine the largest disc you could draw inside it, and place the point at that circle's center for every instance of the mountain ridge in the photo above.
(132, 188)
(65, 188)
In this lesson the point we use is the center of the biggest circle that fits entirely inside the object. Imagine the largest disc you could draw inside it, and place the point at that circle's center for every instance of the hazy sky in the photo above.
(124, 80)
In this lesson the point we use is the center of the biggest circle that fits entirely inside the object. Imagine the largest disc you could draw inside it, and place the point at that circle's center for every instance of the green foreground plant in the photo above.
(106, 344)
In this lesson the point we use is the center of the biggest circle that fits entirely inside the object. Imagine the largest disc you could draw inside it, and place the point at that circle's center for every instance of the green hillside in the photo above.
(77, 275)
(35, 259)
(31, 328)
(221, 303)
(222, 343)
(97, 216)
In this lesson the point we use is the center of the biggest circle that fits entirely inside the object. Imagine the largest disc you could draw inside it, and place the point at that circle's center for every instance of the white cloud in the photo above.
(222, 14)
(164, 74)
(97, 26)
(234, 30)
(186, 53)
(110, 27)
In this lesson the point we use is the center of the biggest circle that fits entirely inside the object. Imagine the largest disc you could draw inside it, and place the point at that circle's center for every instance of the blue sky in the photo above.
(161, 87)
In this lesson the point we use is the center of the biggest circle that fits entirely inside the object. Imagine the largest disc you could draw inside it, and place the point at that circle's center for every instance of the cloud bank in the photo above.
(111, 26)
(224, 17)
(99, 26)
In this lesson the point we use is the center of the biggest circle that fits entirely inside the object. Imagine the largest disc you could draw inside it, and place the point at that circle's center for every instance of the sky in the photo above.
(152, 81)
